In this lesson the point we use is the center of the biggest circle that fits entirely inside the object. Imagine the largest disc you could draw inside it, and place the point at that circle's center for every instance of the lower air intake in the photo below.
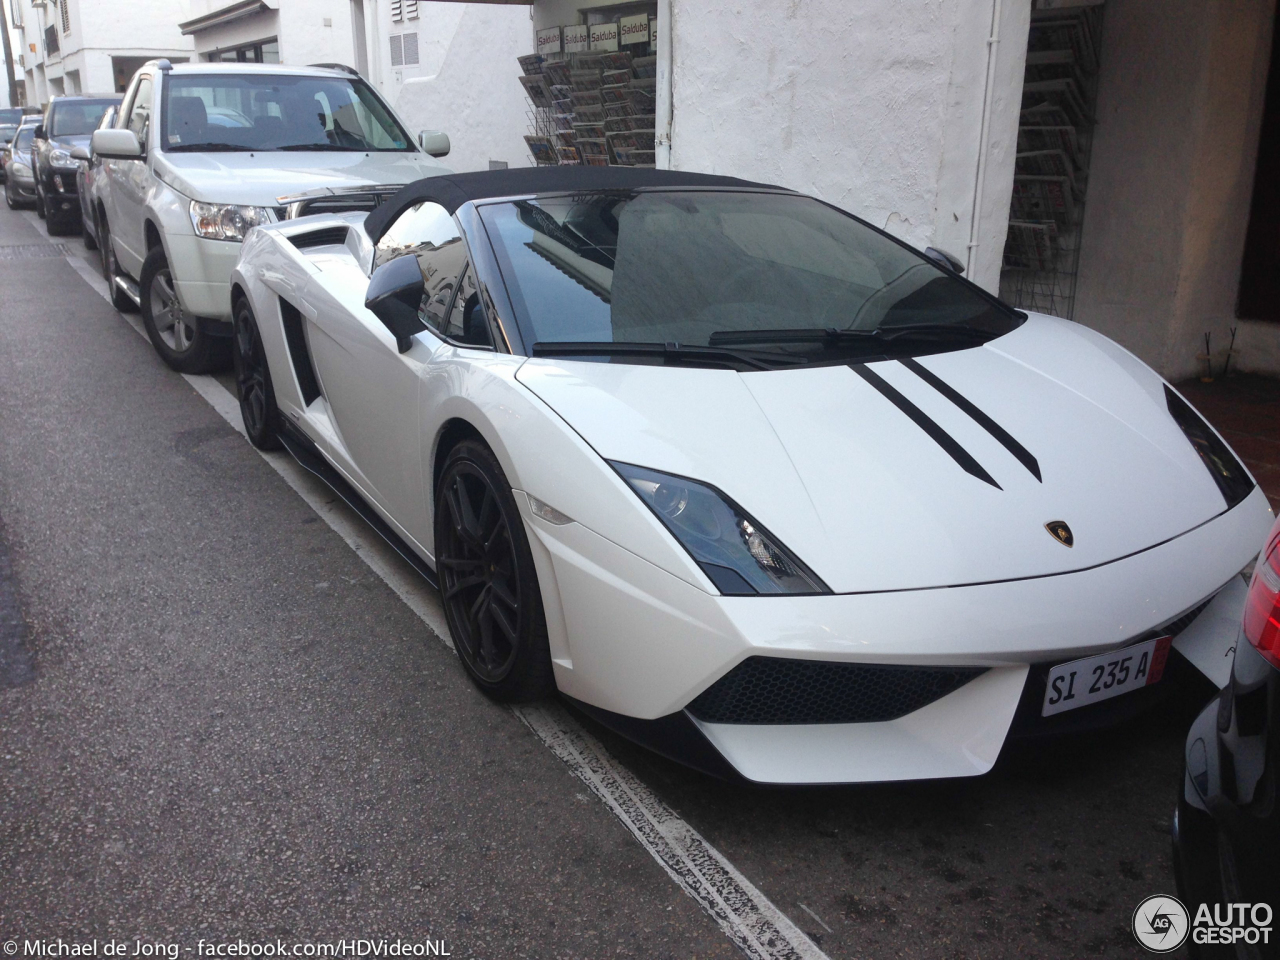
(772, 690)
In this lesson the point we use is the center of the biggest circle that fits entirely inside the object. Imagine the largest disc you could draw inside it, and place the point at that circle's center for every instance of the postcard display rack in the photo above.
(592, 106)
(1042, 250)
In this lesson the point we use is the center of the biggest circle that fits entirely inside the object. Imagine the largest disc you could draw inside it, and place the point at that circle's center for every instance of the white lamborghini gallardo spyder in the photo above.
(742, 476)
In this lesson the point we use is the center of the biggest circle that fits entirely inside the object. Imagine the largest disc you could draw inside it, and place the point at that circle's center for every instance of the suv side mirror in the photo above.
(115, 144)
(944, 259)
(434, 142)
(79, 153)
(394, 295)
(38, 133)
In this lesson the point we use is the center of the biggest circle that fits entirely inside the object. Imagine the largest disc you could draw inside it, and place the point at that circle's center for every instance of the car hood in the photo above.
(69, 141)
(870, 498)
(260, 178)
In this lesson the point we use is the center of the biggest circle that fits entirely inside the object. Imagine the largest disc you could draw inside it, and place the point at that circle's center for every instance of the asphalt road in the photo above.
(216, 722)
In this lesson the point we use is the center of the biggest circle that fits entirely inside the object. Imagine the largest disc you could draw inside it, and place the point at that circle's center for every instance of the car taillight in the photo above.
(1262, 609)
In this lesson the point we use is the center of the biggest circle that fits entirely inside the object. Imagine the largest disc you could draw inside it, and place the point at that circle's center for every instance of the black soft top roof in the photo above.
(452, 190)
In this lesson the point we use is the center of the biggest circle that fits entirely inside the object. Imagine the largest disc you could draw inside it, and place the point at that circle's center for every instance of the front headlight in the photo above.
(225, 221)
(61, 158)
(737, 554)
(21, 169)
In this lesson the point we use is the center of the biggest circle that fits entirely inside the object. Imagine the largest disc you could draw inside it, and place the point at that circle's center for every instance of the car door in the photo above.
(130, 181)
(373, 390)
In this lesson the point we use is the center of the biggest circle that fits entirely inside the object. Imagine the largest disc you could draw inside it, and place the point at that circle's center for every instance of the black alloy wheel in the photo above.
(253, 381)
(487, 579)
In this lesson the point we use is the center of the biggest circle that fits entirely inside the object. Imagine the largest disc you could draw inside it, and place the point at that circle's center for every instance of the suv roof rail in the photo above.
(337, 66)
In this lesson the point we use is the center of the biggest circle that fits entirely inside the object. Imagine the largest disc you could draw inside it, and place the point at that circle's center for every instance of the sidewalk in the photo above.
(1245, 409)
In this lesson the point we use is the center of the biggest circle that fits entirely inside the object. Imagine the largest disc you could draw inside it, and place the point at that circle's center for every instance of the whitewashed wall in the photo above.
(874, 107)
(468, 80)
(1180, 101)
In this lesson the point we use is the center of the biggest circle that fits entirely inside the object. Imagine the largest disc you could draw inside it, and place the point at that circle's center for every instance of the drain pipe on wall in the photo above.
(662, 109)
(993, 44)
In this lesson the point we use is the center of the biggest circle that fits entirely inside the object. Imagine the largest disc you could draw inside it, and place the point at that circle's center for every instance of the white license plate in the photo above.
(1082, 682)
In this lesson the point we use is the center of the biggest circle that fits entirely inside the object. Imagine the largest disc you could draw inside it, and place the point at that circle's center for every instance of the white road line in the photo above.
(746, 915)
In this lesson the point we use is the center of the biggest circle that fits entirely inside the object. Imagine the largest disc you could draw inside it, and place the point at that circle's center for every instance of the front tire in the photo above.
(488, 581)
(40, 212)
(253, 381)
(177, 336)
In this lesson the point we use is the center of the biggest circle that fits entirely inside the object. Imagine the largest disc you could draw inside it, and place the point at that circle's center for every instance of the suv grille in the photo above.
(774, 690)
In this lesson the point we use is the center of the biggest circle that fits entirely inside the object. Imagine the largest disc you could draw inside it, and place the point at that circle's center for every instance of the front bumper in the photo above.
(22, 188)
(631, 641)
(202, 273)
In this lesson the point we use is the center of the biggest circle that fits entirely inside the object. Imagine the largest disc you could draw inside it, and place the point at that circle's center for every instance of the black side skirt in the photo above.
(304, 450)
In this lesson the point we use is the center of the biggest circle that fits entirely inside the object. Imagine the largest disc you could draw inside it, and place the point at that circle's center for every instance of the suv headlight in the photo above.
(226, 221)
(737, 554)
(62, 158)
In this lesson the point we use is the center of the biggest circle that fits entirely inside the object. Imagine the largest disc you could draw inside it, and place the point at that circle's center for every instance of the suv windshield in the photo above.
(276, 112)
(773, 276)
(77, 117)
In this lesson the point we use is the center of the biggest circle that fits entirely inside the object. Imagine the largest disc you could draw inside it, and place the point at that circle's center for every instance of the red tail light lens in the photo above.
(1262, 609)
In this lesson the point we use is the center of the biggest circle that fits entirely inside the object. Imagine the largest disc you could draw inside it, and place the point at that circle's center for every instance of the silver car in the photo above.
(19, 182)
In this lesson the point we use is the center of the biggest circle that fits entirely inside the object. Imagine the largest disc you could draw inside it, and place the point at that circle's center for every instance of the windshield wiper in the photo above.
(756, 359)
(837, 335)
(319, 146)
(207, 148)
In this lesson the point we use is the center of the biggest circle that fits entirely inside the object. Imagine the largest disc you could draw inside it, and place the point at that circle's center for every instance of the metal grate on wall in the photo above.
(404, 49)
(64, 8)
(1051, 173)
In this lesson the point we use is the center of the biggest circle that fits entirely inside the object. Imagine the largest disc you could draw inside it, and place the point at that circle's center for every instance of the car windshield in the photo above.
(750, 272)
(7, 131)
(24, 138)
(77, 117)
(11, 115)
(276, 112)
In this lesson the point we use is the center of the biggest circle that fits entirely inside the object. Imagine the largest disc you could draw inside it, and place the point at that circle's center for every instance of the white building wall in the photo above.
(1171, 181)
(100, 29)
(316, 31)
(467, 82)
(876, 108)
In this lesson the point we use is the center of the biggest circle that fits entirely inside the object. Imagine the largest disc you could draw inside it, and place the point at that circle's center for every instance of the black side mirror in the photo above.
(38, 133)
(944, 259)
(394, 295)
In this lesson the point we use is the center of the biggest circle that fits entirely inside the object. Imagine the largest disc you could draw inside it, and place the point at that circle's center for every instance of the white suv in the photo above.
(201, 153)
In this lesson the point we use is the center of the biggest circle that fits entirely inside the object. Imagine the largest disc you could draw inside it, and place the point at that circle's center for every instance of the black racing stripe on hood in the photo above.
(1021, 453)
(921, 419)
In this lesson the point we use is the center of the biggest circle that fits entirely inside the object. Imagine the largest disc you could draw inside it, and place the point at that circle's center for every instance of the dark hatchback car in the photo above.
(1226, 836)
(68, 123)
